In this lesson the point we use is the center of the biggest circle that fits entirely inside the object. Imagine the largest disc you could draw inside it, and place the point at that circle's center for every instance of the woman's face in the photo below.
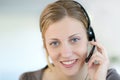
(66, 43)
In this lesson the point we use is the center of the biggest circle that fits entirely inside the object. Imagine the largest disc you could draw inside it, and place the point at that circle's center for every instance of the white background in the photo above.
(21, 46)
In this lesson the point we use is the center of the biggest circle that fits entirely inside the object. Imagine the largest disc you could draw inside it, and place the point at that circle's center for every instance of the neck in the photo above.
(81, 75)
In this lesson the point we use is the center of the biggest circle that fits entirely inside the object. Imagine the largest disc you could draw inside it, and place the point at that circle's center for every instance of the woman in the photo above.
(64, 25)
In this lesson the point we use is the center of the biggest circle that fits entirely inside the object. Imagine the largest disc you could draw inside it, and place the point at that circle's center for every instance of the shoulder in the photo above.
(113, 75)
(33, 75)
(27, 76)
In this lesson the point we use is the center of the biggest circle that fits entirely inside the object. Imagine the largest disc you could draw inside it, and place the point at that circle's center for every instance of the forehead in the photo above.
(65, 27)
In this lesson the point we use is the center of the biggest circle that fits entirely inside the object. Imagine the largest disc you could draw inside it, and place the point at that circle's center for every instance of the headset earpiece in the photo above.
(91, 35)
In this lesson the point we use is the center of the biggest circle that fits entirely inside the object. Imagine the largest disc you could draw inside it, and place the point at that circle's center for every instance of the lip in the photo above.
(69, 63)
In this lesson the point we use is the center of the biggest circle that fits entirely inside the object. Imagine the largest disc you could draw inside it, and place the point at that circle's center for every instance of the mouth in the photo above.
(69, 63)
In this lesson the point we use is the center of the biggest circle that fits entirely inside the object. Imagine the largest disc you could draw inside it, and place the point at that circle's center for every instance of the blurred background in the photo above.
(21, 47)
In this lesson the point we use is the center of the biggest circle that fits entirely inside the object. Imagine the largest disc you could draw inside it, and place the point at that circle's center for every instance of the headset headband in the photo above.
(85, 13)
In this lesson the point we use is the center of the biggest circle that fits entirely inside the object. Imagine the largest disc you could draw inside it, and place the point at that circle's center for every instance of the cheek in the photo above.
(82, 54)
(81, 50)
(53, 54)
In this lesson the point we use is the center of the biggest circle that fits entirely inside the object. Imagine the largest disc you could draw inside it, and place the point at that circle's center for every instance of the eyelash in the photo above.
(74, 40)
(56, 43)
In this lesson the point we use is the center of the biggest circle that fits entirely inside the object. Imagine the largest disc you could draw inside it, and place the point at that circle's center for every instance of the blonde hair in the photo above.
(57, 11)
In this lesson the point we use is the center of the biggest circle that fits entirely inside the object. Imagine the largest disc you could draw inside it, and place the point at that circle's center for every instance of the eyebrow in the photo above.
(69, 36)
(73, 35)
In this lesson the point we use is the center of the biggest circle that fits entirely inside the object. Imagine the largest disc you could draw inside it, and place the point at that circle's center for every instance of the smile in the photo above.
(69, 63)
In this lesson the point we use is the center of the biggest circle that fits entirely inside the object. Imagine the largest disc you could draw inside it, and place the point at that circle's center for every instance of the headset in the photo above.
(90, 31)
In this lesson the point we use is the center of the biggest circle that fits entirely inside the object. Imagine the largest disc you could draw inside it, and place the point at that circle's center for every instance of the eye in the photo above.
(54, 43)
(73, 40)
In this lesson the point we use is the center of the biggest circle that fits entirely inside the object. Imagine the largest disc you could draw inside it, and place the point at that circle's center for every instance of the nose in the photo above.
(66, 51)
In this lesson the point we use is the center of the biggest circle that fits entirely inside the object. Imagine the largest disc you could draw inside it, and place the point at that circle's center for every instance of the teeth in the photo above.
(68, 62)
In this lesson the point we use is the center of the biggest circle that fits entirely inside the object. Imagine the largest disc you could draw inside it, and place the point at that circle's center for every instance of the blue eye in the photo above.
(75, 40)
(54, 44)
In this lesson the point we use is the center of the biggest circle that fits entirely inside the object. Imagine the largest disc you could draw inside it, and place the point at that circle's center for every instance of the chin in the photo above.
(71, 73)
